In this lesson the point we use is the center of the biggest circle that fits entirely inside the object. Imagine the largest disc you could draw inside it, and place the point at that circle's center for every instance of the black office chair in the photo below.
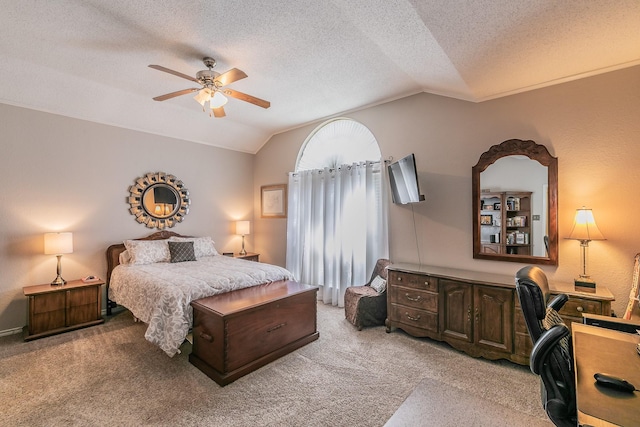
(551, 357)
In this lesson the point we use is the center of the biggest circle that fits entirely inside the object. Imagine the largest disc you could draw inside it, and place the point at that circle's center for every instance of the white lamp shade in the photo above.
(218, 100)
(584, 226)
(58, 243)
(203, 96)
(242, 228)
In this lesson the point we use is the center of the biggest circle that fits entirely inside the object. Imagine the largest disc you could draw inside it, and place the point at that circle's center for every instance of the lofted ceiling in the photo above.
(311, 59)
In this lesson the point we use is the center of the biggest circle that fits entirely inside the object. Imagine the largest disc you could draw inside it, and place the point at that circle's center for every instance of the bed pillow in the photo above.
(147, 251)
(379, 284)
(202, 246)
(181, 251)
(124, 257)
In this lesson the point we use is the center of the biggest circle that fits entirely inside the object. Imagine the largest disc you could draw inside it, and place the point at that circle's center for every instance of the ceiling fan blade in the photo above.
(174, 94)
(219, 112)
(175, 73)
(248, 98)
(231, 76)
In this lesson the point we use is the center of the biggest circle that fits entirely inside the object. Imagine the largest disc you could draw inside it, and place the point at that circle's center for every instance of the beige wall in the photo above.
(73, 175)
(65, 174)
(591, 125)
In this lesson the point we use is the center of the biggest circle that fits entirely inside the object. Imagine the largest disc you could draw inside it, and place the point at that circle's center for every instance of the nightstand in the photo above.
(598, 302)
(57, 309)
(250, 256)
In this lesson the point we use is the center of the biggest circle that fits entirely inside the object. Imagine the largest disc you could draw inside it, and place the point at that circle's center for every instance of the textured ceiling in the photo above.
(311, 59)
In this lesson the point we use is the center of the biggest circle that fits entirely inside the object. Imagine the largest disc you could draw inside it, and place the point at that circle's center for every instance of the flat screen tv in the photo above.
(403, 178)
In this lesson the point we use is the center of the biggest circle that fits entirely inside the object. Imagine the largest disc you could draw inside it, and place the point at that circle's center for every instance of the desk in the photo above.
(612, 352)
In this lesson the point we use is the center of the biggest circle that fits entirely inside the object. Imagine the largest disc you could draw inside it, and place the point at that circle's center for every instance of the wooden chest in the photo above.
(238, 332)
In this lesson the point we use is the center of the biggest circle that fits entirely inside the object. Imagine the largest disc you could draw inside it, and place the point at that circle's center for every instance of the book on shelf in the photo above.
(513, 203)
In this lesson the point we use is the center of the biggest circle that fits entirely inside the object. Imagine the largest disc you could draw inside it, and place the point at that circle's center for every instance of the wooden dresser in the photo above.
(237, 332)
(56, 309)
(474, 312)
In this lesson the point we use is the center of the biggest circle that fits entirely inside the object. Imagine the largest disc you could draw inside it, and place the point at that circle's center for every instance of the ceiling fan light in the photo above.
(217, 100)
(203, 96)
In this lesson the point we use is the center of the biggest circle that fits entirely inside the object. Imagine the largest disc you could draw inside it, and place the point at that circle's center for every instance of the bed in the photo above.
(158, 292)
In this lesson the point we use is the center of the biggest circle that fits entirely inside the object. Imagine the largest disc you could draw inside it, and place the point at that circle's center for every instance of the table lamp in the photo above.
(58, 244)
(242, 228)
(585, 230)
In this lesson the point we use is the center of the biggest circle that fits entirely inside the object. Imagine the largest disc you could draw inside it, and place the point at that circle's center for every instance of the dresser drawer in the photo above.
(415, 317)
(416, 281)
(83, 296)
(415, 298)
(48, 302)
(576, 306)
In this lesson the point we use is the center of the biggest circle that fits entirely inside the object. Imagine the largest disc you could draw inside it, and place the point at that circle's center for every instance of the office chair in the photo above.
(546, 245)
(552, 356)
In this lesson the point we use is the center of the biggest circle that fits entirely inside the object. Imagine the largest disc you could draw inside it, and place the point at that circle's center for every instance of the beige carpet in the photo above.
(110, 375)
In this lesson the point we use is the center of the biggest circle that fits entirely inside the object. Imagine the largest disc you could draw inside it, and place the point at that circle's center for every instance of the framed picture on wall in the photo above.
(486, 219)
(273, 201)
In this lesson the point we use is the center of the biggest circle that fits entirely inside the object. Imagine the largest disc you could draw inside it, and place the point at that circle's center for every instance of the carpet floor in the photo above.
(110, 375)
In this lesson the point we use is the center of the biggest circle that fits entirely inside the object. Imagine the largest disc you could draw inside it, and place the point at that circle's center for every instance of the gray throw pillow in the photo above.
(181, 251)
(379, 284)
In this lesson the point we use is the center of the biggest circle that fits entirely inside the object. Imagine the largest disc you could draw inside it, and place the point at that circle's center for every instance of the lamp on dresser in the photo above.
(585, 230)
(58, 244)
(242, 228)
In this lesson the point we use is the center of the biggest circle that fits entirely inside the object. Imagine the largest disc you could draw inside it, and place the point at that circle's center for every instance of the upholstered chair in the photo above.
(364, 305)
(552, 356)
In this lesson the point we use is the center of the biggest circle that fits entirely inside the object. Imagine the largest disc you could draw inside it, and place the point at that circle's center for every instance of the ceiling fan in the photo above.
(212, 90)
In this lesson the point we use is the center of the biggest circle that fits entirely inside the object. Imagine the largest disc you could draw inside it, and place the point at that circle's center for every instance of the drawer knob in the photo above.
(415, 319)
(412, 299)
(426, 283)
(206, 337)
(580, 309)
(399, 278)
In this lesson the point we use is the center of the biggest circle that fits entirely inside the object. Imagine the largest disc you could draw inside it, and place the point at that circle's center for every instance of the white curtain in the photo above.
(336, 227)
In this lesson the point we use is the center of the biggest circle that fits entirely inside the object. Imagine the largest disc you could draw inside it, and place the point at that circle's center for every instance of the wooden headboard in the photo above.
(113, 257)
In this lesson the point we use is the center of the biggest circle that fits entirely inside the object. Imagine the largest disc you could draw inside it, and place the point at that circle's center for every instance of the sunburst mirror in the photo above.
(159, 200)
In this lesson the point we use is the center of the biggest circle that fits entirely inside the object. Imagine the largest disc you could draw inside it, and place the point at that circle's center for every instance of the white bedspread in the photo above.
(160, 294)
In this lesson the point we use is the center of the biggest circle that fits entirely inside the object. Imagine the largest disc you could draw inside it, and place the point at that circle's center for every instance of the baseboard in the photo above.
(13, 331)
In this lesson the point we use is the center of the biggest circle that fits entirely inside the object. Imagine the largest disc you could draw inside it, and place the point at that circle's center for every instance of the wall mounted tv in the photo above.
(403, 178)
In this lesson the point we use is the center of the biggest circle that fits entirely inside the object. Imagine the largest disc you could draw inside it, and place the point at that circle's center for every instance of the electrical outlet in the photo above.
(536, 217)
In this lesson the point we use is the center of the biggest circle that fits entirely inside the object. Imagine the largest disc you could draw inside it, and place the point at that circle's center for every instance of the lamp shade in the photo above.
(58, 243)
(217, 100)
(584, 226)
(242, 227)
(203, 96)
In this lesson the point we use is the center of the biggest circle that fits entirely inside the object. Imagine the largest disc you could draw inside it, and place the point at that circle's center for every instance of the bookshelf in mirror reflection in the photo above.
(508, 231)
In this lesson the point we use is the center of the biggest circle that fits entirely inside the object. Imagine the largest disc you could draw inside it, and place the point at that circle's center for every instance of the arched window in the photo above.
(337, 218)
(338, 142)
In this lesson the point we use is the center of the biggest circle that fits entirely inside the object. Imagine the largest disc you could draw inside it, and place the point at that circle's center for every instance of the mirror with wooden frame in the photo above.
(515, 204)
